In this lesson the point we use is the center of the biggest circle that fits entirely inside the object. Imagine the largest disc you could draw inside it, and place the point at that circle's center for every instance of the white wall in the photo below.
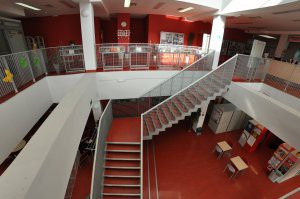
(274, 93)
(61, 84)
(128, 84)
(279, 118)
(133, 84)
(20, 113)
(43, 167)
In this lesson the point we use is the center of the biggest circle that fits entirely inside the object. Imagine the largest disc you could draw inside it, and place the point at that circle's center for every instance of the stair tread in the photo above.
(123, 151)
(155, 119)
(122, 163)
(123, 167)
(122, 176)
(123, 143)
(167, 112)
(122, 172)
(121, 190)
(122, 155)
(123, 180)
(123, 159)
(121, 185)
(122, 147)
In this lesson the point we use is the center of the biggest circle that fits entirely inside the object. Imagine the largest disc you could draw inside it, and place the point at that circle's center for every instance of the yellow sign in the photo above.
(9, 76)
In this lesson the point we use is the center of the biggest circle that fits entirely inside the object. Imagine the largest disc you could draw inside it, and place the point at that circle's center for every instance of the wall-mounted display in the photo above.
(171, 38)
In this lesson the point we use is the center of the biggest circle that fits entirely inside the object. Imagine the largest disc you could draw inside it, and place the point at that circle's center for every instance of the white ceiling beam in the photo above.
(272, 32)
(236, 6)
(211, 3)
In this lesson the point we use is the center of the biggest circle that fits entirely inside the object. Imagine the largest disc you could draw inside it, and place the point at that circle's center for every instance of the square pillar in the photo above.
(281, 46)
(88, 34)
(216, 37)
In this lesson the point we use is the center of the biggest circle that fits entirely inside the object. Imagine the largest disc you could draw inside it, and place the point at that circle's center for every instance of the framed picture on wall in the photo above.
(171, 38)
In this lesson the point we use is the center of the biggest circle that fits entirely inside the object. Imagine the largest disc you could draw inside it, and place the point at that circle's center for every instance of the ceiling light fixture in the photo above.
(27, 6)
(186, 9)
(267, 36)
(127, 3)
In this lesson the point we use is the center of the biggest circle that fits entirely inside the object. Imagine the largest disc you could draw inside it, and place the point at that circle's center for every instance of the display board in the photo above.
(171, 38)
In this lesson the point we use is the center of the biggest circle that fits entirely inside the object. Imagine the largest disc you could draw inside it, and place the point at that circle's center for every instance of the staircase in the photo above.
(187, 100)
(122, 167)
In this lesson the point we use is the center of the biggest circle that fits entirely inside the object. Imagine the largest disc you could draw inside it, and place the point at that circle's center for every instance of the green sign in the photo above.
(23, 62)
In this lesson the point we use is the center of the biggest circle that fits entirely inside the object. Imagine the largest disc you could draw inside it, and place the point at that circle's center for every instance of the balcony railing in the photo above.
(19, 69)
(139, 56)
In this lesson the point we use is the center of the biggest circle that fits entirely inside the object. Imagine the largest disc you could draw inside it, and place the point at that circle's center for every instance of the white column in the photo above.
(198, 123)
(88, 34)
(281, 45)
(216, 37)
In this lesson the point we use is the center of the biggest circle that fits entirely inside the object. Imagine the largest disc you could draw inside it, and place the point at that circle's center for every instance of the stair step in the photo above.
(122, 151)
(122, 185)
(118, 167)
(173, 109)
(122, 190)
(123, 155)
(182, 107)
(145, 129)
(149, 123)
(116, 163)
(124, 143)
(122, 180)
(123, 147)
(155, 119)
(186, 101)
(123, 159)
(162, 117)
(122, 176)
(167, 112)
(121, 194)
(122, 172)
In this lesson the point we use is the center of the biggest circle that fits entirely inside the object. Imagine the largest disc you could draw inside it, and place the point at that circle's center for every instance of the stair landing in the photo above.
(125, 130)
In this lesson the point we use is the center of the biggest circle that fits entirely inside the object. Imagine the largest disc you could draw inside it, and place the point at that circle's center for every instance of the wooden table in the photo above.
(20, 146)
(239, 164)
(224, 146)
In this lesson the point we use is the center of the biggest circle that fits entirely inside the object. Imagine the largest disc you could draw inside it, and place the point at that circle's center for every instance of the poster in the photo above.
(171, 38)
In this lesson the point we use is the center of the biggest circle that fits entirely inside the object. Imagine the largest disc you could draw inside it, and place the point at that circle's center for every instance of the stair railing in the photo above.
(212, 82)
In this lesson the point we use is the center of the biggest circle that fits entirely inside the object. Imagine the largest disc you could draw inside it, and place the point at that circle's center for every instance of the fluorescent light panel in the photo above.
(27, 6)
(267, 36)
(186, 9)
(127, 3)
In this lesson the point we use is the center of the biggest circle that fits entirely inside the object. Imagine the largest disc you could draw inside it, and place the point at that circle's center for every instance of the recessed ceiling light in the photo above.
(27, 6)
(127, 3)
(186, 9)
(267, 36)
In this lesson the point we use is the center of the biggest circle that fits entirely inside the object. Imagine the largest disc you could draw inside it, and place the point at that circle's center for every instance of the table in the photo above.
(239, 164)
(20, 146)
(224, 146)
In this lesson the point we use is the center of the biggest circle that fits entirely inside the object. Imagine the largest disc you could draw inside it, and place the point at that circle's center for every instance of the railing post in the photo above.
(43, 61)
(12, 80)
(29, 64)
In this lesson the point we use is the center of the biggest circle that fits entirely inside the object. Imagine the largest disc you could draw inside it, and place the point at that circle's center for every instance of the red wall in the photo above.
(109, 30)
(138, 30)
(158, 23)
(59, 30)
(124, 17)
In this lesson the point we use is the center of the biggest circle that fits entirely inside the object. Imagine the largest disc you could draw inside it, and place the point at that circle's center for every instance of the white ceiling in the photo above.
(253, 20)
(264, 19)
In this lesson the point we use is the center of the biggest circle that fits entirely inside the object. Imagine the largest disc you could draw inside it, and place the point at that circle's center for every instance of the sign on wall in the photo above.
(171, 38)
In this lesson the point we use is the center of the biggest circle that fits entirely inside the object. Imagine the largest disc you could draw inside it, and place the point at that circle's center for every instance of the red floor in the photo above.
(187, 168)
(122, 130)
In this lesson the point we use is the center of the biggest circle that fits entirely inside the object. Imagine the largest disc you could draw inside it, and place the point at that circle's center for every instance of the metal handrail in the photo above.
(179, 72)
(209, 73)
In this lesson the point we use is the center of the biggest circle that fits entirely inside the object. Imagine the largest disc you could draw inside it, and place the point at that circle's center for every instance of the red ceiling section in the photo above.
(59, 30)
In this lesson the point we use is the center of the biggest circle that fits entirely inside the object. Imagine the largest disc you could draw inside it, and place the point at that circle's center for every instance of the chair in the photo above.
(219, 151)
(229, 153)
(230, 168)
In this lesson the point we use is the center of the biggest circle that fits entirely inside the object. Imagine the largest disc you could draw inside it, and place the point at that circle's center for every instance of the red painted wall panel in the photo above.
(158, 23)
(59, 30)
(138, 30)
(124, 17)
(109, 30)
